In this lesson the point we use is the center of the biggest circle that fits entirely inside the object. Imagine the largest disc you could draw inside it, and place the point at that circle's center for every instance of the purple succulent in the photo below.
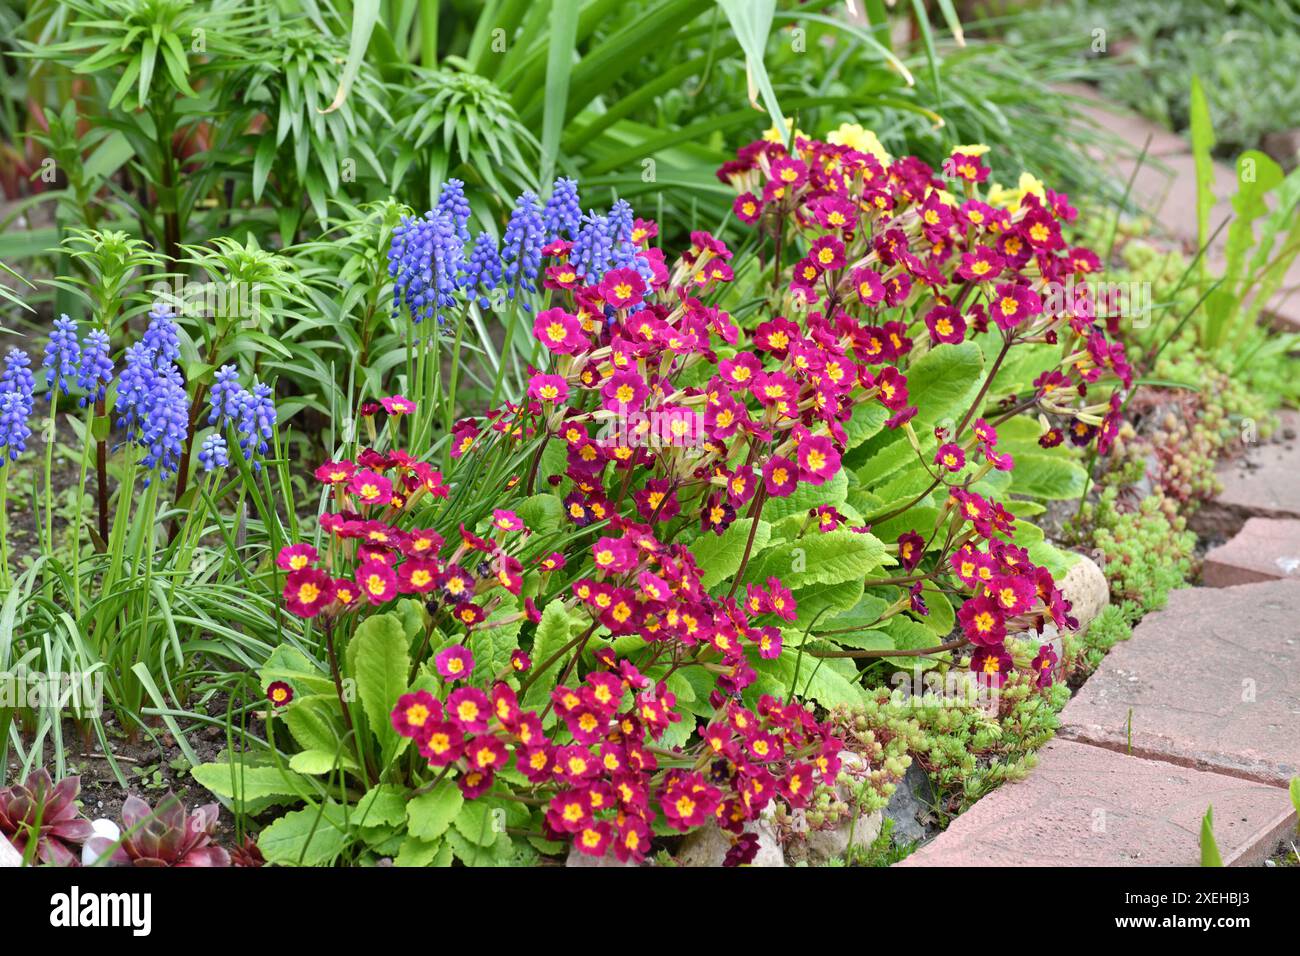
(166, 836)
(48, 812)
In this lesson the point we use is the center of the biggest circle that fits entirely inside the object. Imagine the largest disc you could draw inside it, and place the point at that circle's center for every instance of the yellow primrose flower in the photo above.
(975, 149)
(773, 135)
(1010, 199)
(1031, 184)
(863, 140)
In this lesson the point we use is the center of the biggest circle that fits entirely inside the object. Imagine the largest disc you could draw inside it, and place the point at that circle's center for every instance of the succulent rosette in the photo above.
(165, 835)
(41, 811)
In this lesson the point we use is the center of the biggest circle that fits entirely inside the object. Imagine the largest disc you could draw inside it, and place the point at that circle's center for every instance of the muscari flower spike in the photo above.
(227, 396)
(563, 212)
(483, 274)
(96, 369)
(424, 259)
(256, 424)
(214, 455)
(522, 246)
(624, 252)
(14, 430)
(62, 355)
(591, 248)
(161, 336)
(152, 404)
(251, 413)
(166, 423)
(453, 204)
(16, 403)
(17, 375)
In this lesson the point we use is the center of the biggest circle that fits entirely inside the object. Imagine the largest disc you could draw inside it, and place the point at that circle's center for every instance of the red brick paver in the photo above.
(1212, 681)
(1087, 806)
(1165, 187)
(1263, 484)
(1266, 549)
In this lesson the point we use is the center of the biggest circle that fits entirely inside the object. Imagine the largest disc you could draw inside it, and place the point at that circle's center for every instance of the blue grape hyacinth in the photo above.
(563, 212)
(96, 368)
(161, 336)
(252, 414)
(453, 204)
(62, 355)
(165, 424)
(591, 248)
(226, 398)
(152, 405)
(256, 424)
(521, 246)
(14, 430)
(16, 401)
(483, 273)
(17, 374)
(213, 455)
(424, 261)
(153, 408)
(432, 268)
(134, 387)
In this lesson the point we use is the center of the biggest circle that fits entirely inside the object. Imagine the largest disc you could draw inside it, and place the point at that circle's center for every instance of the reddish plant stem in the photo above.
(914, 652)
(756, 511)
(182, 474)
(988, 381)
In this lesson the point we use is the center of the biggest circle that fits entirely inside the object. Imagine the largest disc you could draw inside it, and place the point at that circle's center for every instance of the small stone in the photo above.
(1085, 587)
(708, 845)
(821, 845)
(910, 805)
(578, 859)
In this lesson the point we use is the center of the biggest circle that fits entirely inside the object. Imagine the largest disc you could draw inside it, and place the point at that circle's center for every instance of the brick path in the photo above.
(1165, 187)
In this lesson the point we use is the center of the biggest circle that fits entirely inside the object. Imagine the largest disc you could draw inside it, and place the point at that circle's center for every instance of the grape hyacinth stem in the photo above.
(4, 526)
(449, 406)
(74, 530)
(507, 344)
(101, 477)
(49, 469)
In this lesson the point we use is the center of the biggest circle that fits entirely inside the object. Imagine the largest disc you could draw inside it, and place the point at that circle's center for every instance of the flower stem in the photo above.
(4, 524)
(49, 469)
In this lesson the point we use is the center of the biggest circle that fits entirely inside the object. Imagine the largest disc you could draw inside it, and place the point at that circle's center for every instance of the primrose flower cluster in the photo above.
(668, 415)
(150, 406)
(601, 763)
(432, 271)
(884, 234)
(888, 239)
